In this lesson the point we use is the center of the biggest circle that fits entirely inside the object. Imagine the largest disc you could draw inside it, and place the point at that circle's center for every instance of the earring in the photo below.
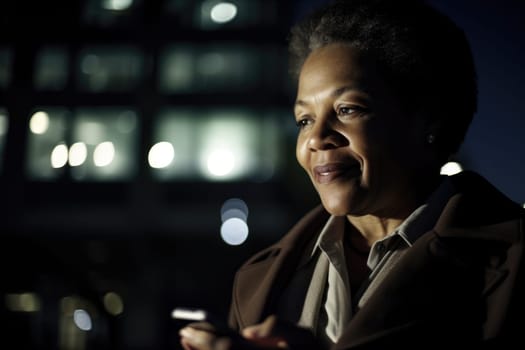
(431, 139)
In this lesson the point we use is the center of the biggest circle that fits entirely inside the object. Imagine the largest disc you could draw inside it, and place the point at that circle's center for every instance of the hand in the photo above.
(203, 336)
(198, 336)
(265, 334)
(274, 333)
(271, 334)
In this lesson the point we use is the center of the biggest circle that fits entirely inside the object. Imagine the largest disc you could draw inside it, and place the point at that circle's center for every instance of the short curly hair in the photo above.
(423, 55)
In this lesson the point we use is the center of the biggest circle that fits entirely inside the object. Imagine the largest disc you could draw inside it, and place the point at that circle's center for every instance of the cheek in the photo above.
(375, 139)
(301, 153)
(362, 143)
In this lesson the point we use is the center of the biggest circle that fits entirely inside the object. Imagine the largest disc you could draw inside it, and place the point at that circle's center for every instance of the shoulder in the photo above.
(478, 205)
(480, 223)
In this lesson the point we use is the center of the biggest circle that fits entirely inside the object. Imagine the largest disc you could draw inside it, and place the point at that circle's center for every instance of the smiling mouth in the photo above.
(324, 174)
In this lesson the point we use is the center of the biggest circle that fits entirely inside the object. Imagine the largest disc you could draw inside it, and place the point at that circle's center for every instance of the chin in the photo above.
(335, 207)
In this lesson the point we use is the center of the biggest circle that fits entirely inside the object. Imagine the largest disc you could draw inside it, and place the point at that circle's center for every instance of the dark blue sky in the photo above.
(495, 144)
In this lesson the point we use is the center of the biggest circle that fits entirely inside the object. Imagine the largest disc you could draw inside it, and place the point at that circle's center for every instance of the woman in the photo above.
(397, 254)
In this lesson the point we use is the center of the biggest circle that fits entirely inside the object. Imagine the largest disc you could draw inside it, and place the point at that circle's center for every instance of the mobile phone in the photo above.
(200, 315)
(189, 314)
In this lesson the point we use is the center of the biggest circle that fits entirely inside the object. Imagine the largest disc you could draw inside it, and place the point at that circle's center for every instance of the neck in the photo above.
(373, 227)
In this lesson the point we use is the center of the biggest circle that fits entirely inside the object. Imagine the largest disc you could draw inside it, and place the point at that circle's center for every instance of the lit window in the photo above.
(95, 143)
(46, 149)
(23, 302)
(228, 146)
(51, 69)
(215, 144)
(108, 69)
(117, 5)
(4, 123)
(106, 139)
(189, 69)
(172, 153)
(109, 13)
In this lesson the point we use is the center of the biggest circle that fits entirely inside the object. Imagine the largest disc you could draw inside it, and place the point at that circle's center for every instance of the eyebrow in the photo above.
(337, 92)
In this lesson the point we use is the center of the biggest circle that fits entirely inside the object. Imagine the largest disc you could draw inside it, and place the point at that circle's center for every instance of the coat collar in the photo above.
(476, 203)
(262, 278)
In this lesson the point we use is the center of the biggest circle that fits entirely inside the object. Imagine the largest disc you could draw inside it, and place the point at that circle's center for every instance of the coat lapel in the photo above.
(423, 292)
(262, 279)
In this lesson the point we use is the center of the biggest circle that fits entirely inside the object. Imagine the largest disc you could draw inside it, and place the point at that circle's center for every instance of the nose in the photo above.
(324, 136)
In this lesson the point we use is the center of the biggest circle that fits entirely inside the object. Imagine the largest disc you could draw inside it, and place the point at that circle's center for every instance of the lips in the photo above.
(329, 172)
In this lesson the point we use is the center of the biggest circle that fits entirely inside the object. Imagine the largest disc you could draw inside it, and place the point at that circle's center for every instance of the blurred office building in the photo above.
(146, 150)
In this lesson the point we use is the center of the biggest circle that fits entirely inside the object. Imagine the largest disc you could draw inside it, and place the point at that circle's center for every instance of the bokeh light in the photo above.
(77, 154)
(223, 12)
(39, 122)
(161, 155)
(113, 303)
(82, 319)
(451, 168)
(104, 154)
(59, 156)
(234, 231)
(234, 215)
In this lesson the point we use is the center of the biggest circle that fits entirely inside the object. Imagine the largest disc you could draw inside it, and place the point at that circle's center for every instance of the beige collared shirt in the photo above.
(330, 272)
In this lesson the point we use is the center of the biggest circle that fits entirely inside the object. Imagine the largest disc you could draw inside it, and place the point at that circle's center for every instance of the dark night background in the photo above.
(154, 244)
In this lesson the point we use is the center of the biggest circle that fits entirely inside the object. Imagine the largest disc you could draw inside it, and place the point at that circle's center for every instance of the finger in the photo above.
(204, 326)
(197, 339)
(185, 345)
(264, 335)
(261, 330)
(222, 344)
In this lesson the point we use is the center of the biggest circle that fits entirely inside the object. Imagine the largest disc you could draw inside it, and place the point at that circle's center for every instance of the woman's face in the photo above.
(362, 153)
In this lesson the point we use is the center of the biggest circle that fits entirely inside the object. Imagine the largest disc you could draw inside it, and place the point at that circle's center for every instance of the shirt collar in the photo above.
(425, 217)
(420, 221)
(332, 231)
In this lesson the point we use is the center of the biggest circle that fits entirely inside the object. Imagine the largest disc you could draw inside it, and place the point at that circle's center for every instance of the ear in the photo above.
(426, 124)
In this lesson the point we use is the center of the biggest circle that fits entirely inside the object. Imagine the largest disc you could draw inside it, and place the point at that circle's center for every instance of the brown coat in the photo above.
(460, 283)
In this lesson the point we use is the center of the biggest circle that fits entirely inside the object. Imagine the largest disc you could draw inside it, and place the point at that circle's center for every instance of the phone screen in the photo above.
(184, 314)
(188, 314)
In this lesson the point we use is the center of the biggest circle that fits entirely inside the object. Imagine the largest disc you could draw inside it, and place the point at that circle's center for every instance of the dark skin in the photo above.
(367, 160)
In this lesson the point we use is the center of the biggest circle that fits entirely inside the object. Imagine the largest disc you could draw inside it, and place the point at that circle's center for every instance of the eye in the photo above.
(303, 122)
(349, 111)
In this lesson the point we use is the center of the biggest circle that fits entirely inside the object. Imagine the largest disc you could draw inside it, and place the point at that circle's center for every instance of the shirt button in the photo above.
(380, 247)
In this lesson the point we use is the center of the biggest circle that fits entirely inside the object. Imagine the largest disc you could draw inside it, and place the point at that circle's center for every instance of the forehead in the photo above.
(337, 53)
(335, 66)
